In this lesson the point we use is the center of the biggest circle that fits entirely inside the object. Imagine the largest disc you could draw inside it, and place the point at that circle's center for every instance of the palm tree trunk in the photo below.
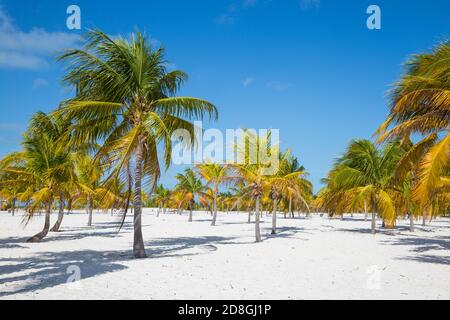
(411, 222)
(373, 217)
(213, 223)
(257, 229)
(158, 211)
(274, 217)
(290, 206)
(13, 204)
(90, 209)
(190, 213)
(365, 211)
(249, 216)
(41, 235)
(138, 243)
(57, 225)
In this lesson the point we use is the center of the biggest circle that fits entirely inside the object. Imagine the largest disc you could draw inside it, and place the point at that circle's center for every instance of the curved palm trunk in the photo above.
(41, 235)
(58, 222)
(274, 217)
(213, 223)
(257, 228)
(138, 243)
(90, 209)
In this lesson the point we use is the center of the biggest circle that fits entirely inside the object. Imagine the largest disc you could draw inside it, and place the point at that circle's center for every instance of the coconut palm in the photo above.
(161, 197)
(45, 164)
(362, 173)
(190, 187)
(289, 181)
(420, 103)
(214, 175)
(126, 100)
(253, 172)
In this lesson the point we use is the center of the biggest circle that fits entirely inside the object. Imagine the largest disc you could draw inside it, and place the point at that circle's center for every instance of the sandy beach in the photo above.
(310, 258)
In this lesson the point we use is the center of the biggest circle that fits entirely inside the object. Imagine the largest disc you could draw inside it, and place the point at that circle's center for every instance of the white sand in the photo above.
(313, 258)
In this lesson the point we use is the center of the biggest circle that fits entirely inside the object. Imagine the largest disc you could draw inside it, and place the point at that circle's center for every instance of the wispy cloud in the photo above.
(309, 4)
(247, 82)
(29, 50)
(10, 127)
(228, 16)
(279, 86)
(40, 83)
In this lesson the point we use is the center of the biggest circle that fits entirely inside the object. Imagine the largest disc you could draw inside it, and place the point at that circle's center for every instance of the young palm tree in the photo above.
(161, 197)
(45, 164)
(364, 172)
(190, 187)
(420, 104)
(125, 100)
(215, 175)
(253, 172)
(289, 181)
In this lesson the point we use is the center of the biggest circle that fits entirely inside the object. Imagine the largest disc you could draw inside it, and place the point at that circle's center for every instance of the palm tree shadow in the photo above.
(286, 232)
(186, 246)
(423, 245)
(49, 269)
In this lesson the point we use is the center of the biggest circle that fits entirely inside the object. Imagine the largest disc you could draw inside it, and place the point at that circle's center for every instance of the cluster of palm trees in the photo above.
(395, 177)
(102, 149)
(285, 191)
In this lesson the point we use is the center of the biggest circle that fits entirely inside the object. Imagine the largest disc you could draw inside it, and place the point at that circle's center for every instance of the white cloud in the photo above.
(250, 3)
(29, 50)
(308, 4)
(10, 127)
(279, 86)
(40, 83)
(247, 82)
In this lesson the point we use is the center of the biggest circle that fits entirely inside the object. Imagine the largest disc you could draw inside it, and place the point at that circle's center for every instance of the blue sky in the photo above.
(310, 68)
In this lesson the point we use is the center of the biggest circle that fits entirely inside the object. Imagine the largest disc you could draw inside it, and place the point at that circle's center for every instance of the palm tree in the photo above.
(362, 173)
(126, 100)
(190, 187)
(420, 104)
(89, 174)
(161, 197)
(289, 181)
(45, 165)
(253, 171)
(215, 175)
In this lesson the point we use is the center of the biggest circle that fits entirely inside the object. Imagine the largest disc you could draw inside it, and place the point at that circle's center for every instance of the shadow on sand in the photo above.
(48, 269)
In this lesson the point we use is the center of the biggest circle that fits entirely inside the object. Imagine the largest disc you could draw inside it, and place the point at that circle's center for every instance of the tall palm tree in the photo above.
(362, 173)
(126, 100)
(420, 103)
(214, 175)
(190, 187)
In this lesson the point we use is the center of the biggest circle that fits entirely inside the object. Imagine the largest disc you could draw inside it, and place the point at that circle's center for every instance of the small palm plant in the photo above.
(215, 175)
(189, 187)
